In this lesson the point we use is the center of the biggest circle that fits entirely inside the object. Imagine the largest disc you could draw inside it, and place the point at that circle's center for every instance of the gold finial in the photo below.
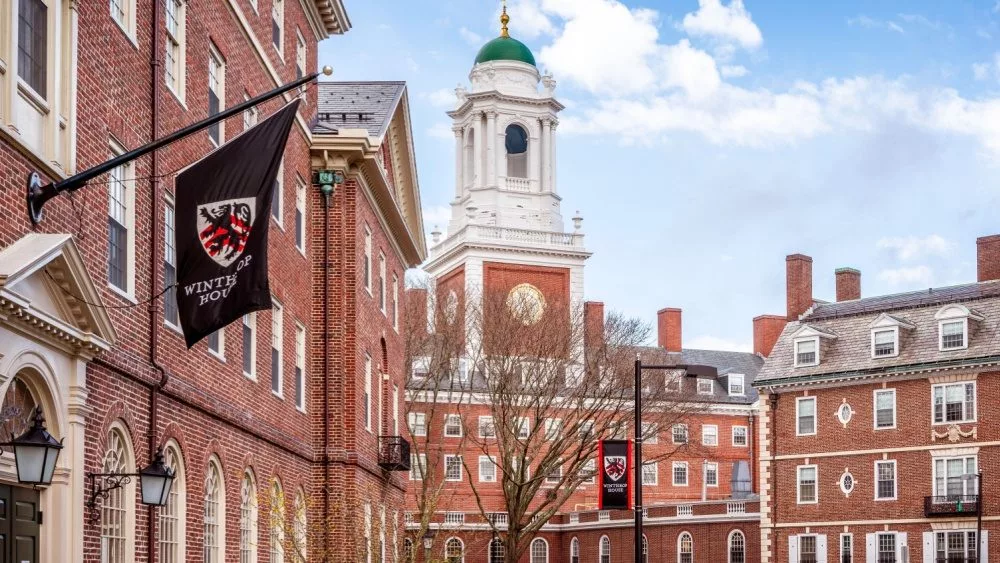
(504, 19)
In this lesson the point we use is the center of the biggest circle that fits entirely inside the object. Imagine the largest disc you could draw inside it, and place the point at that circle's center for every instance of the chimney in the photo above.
(593, 324)
(798, 284)
(848, 284)
(988, 258)
(668, 329)
(766, 330)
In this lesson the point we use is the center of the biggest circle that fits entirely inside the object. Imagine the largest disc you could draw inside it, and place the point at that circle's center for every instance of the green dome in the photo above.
(505, 49)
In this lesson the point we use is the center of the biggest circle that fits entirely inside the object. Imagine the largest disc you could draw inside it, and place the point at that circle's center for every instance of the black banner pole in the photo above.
(638, 460)
(39, 194)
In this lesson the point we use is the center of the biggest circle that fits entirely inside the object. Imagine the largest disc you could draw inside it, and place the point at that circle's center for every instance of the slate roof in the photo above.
(849, 355)
(357, 105)
(725, 362)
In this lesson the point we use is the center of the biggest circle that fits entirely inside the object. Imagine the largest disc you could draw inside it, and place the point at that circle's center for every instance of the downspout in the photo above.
(326, 371)
(752, 445)
(774, 472)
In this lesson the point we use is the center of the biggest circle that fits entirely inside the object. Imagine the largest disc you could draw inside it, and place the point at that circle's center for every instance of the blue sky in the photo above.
(704, 140)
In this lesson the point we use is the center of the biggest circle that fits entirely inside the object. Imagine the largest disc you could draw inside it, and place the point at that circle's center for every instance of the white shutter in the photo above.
(871, 548)
(928, 547)
(984, 547)
(821, 548)
(901, 547)
(793, 549)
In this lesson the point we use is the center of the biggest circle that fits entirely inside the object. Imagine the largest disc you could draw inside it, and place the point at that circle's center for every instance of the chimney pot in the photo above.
(798, 285)
(848, 284)
(668, 329)
(988, 258)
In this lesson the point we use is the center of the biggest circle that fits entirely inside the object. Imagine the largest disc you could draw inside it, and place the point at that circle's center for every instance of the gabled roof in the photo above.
(746, 363)
(908, 300)
(357, 105)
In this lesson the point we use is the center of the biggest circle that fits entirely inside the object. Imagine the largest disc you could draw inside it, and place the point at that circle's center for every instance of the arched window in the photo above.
(685, 548)
(645, 549)
(539, 551)
(215, 513)
(248, 518)
(118, 508)
(454, 551)
(299, 536)
(172, 516)
(408, 554)
(737, 547)
(516, 143)
(497, 551)
(574, 551)
(277, 522)
(605, 550)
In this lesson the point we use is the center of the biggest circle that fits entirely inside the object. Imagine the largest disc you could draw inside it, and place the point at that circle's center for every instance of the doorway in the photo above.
(20, 520)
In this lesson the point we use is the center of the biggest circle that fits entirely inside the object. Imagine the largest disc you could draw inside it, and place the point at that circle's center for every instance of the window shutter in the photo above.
(793, 549)
(871, 555)
(928, 547)
(901, 547)
(984, 547)
(821, 548)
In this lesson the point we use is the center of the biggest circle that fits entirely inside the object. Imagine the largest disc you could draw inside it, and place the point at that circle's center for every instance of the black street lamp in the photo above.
(35, 453)
(155, 481)
(428, 544)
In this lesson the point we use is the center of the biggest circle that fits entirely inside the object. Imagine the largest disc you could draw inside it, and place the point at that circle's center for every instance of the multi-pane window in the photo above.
(418, 423)
(539, 551)
(885, 408)
(709, 435)
(680, 473)
(739, 435)
(574, 551)
(121, 215)
(454, 551)
(650, 433)
(486, 427)
(277, 18)
(586, 429)
(300, 215)
(366, 398)
(277, 343)
(395, 410)
(706, 386)
(173, 64)
(650, 473)
(679, 433)
(453, 468)
(522, 427)
(712, 474)
(588, 472)
(885, 480)
(381, 283)
(487, 469)
(395, 302)
(122, 11)
(806, 352)
(366, 261)
(886, 548)
(884, 343)
(954, 477)
(216, 93)
(846, 548)
(605, 550)
(685, 548)
(277, 527)
(250, 115)
(953, 335)
(736, 386)
(248, 520)
(214, 515)
(806, 484)
(955, 402)
(250, 345)
(497, 551)
(32, 41)
(418, 467)
(737, 547)
(807, 549)
(554, 475)
(300, 366)
(169, 266)
(300, 55)
(300, 529)
(116, 506)
(171, 528)
(453, 426)
(805, 414)
(278, 196)
(216, 342)
(958, 546)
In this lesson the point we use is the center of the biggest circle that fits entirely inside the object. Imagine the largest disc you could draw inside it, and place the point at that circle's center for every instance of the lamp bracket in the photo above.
(109, 482)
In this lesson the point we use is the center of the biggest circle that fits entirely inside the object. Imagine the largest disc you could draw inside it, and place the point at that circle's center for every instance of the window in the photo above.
(409, 555)
(277, 19)
(709, 435)
(486, 427)
(539, 551)
(673, 382)
(586, 429)
(807, 549)
(950, 481)
(711, 475)
(885, 343)
(453, 426)
(953, 335)
(123, 13)
(395, 303)
(807, 352)
(300, 55)
(846, 548)
(886, 548)
(173, 63)
(845, 413)
(574, 551)
(680, 473)
(954, 402)
(645, 545)
(277, 523)
(523, 427)
(487, 469)
(452, 468)
(679, 433)
(650, 473)
(737, 547)
(805, 415)
(497, 551)
(121, 221)
(619, 430)
(366, 397)
(847, 482)
(278, 196)
(216, 343)
(454, 551)
(118, 507)
(299, 529)
(554, 476)
(740, 436)
(588, 473)
(395, 410)
(650, 433)
(215, 514)
(736, 384)
(605, 550)
(366, 261)
(300, 367)
(32, 42)
(807, 493)
(277, 339)
(957, 546)
(706, 386)
(216, 93)
(885, 408)
(885, 480)
(553, 428)
(250, 115)
(516, 144)
(300, 215)
(170, 313)
(173, 515)
(685, 548)
(418, 467)
(248, 519)
(418, 423)
(250, 345)
(381, 283)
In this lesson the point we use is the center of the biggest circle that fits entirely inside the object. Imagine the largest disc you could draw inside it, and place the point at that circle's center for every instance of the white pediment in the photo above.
(45, 289)
(809, 331)
(956, 311)
(887, 321)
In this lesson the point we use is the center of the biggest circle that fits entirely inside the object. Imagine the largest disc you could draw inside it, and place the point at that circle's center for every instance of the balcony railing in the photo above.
(951, 505)
(518, 184)
(394, 453)
(510, 235)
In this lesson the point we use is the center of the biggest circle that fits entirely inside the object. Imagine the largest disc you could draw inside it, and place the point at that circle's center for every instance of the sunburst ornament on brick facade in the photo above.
(526, 303)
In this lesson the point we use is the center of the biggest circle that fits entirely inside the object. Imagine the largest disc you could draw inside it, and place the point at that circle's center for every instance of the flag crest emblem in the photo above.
(614, 466)
(224, 227)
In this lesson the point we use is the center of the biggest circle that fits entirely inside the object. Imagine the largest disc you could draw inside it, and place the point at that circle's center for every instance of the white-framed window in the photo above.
(121, 225)
(216, 94)
(588, 472)
(300, 54)
(574, 550)
(278, 26)
(709, 435)
(736, 384)
(805, 416)
(539, 551)
(418, 467)
(808, 548)
(173, 63)
(618, 430)
(740, 434)
(278, 197)
(250, 345)
(173, 516)
(366, 397)
(954, 477)
(216, 343)
(454, 550)
(248, 518)
(418, 423)
(650, 433)
(885, 342)
(673, 382)
(604, 550)
(586, 429)
(118, 508)
(523, 427)
(553, 428)
(250, 115)
(846, 548)
(847, 482)
(737, 547)
(885, 479)
(300, 367)
(953, 334)
(452, 426)
(679, 433)
(554, 475)
(706, 386)
(170, 312)
(277, 348)
(845, 413)
(650, 473)
(395, 302)
(711, 474)
(954, 402)
(497, 550)
(887, 549)
(807, 352)
(806, 479)
(395, 410)
(487, 469)
(123, 14)
(381, 284)
(300, 529)
(452, 468)
(486, 427)
(214, 513)
(300, 215)
(685, 548)
(277, 522)
(679, 470)
(885, 408)
(366, 261)
(957, 545)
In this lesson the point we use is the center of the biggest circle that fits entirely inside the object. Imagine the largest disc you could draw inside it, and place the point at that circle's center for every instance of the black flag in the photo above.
(614, 474)
(222, 208)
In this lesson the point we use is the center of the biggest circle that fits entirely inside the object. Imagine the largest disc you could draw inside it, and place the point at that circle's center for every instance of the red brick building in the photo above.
(875, 422)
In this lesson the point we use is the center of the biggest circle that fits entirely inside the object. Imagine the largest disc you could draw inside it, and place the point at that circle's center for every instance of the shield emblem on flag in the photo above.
(224, 227)
(614, 466)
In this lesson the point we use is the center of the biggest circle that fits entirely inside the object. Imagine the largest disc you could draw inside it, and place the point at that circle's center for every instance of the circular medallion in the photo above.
(847, 482)
(844, 413)
(526, 303)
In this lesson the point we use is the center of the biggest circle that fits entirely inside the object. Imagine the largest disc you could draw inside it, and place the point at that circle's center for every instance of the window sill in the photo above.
(128, 35)
(885, 499)
(301, 250)
(178, 97)
(951, 422)
(218, 356)
(877, 428)
(301, 409)
(279, 396)
(280, 225)
(173, 327)
(250, 376)
(123, 294)
(32, 97)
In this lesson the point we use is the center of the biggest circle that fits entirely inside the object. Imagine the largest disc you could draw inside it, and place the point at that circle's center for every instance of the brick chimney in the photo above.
(766, 330)
(798, 285)
(988, 258)
(848, 284)
(593, 324)
(668, 329)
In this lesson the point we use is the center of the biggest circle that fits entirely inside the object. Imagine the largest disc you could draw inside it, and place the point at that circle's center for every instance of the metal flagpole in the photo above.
(638, 461)
(39, 194)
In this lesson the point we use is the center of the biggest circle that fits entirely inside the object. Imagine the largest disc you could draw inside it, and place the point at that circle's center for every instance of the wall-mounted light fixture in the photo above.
(35, 453)
(155, 481)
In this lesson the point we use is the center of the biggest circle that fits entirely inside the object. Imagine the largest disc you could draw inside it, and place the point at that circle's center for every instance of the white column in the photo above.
(546, 155)
(477, 151)
(459, 160)
(552, 158)
(491, 152)
(535, 156)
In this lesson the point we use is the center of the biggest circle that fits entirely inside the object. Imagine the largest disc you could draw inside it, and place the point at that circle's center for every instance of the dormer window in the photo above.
(421, 367)
(736, 384)
(885, 343)
(706, 387)
(673, 381)
(953, 327)
(807, 352)
(953, 335)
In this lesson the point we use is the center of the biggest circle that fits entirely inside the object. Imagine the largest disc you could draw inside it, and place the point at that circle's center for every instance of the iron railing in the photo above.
(394, 453)
(951, 505)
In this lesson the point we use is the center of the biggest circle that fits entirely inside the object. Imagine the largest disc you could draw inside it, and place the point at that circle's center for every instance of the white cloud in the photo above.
(734, 71)
(437, 216)
(690, 69)
(872, 23)
(917, 276)
(527, 20)
(441, 130)
(470, 37)
(730, 23)
(912, 248)
(442, 97)
(706, 342)
(921, 20)
(893, 26)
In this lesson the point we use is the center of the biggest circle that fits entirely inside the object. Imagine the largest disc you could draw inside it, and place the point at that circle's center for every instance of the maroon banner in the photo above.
(614, 474)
